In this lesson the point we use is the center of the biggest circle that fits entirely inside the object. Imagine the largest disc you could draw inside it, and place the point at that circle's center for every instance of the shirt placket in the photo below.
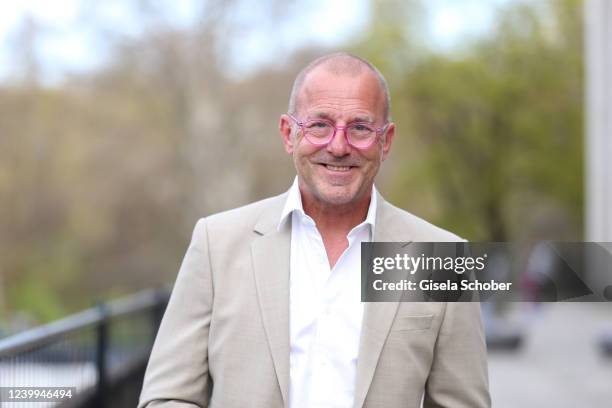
(321, 379)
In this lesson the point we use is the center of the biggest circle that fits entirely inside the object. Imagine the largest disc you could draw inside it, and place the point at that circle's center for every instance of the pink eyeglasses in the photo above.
(320, 132)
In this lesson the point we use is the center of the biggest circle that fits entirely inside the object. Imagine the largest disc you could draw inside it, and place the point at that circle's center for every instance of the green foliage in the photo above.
(499, 128)
(43, 279)
(35, 296)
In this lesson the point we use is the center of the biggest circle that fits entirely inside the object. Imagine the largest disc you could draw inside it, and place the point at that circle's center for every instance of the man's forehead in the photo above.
(323, 77)
(321, 84)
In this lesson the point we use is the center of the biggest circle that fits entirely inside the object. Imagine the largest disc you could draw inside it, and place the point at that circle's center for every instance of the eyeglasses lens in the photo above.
(358, 134)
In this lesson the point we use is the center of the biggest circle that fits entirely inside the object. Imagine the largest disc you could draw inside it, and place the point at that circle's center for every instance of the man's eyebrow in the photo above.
(363, 119)
(323, 115)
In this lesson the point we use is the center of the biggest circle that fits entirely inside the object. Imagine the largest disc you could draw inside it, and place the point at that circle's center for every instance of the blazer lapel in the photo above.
(377, 316)
(270, 254)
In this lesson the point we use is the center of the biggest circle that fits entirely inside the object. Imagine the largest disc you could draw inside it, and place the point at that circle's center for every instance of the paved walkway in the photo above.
(560, 364)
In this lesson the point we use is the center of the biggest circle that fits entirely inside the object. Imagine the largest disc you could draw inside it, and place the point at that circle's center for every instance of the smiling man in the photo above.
(266, 308)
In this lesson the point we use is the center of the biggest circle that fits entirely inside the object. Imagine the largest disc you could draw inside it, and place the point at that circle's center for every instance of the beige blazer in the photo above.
(224, 339)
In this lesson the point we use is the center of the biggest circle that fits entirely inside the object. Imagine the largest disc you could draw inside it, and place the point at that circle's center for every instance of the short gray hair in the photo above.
(340, 63)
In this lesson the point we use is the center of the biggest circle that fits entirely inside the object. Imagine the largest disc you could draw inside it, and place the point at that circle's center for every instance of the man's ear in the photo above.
(284, 126)
(389, 135)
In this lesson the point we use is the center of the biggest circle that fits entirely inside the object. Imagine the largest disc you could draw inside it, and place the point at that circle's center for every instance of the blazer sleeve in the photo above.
(458, 377)
(177, 373)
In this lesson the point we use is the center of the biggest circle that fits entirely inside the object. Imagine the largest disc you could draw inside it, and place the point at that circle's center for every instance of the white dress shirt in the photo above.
(326, 312)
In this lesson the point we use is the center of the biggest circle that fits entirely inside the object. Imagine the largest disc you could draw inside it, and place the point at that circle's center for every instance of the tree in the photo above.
(498, 127)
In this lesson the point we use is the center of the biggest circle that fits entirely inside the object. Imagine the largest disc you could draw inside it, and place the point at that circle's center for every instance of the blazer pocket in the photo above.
(405, 323)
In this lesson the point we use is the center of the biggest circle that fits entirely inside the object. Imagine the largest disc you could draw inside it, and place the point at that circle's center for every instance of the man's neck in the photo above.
(334, 220)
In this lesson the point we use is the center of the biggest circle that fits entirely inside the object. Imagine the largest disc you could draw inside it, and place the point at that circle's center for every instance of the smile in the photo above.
(337, 168)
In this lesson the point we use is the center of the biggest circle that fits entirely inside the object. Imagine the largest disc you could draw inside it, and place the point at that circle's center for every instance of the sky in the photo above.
(68, 43)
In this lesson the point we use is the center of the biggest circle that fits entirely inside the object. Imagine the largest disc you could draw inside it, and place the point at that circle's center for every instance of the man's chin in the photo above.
(338, 195)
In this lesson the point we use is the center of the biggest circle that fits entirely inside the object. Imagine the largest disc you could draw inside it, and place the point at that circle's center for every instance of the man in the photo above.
(266, 308)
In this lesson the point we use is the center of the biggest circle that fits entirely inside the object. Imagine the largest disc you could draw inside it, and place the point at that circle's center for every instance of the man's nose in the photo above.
(339, 145)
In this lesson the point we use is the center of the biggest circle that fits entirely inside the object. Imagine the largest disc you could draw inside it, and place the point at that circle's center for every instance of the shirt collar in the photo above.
(294, 203)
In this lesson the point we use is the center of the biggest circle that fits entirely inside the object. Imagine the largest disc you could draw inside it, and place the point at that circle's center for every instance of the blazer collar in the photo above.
(268, 220)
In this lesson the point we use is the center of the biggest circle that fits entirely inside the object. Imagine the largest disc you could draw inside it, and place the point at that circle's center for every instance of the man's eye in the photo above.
(318, 125)
(362, 128)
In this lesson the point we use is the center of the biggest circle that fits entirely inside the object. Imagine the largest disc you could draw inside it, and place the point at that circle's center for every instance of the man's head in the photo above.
(342, 89)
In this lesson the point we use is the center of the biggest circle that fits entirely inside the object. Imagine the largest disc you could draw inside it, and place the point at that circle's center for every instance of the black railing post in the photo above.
(101, 354)
(161, 301)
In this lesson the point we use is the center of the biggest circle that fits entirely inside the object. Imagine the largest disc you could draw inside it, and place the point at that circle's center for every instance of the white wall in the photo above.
(598, 217)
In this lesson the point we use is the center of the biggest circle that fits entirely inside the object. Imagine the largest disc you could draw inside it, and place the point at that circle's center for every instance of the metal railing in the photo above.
(102, 352)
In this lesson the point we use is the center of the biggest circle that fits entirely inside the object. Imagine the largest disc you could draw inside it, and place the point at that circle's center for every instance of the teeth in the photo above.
(338, 168)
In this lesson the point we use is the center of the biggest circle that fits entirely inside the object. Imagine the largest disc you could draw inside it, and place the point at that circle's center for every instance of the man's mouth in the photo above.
(338, 168)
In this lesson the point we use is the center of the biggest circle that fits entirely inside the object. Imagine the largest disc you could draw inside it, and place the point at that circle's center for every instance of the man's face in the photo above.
(337, 174)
